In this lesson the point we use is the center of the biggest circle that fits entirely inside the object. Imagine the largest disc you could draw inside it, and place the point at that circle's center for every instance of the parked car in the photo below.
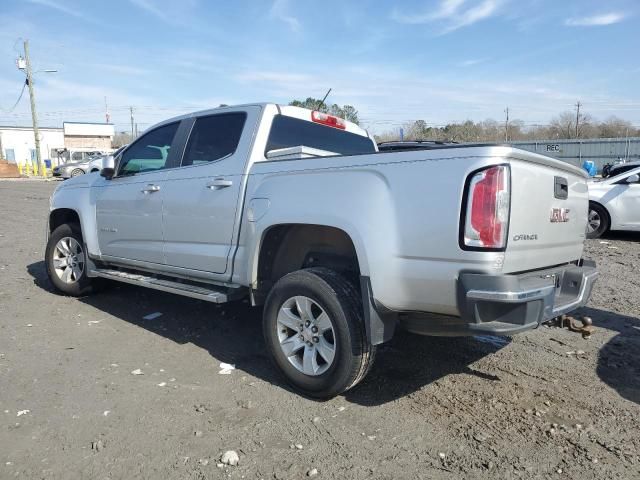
(92, 163)
(297, 211)
(614, 203)
(620, 168)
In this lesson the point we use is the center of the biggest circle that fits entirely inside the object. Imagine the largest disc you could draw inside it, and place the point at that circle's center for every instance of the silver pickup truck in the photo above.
(340, 244)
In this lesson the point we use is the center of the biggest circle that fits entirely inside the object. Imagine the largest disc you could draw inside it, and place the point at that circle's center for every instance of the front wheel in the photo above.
(314, 330)
(66, 260)
(597, 221)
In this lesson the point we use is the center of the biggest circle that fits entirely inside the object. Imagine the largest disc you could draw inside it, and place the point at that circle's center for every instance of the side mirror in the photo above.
(633, 178)
(107, 173)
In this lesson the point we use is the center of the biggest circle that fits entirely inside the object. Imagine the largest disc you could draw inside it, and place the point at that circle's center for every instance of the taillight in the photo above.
(329, 120)
(487, 214)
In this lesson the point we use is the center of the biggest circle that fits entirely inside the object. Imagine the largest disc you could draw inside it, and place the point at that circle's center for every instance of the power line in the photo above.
(24, 86)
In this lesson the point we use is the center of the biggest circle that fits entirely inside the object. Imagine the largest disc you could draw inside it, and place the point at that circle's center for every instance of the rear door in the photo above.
(200, 210)
(129, 206)
(549, 202)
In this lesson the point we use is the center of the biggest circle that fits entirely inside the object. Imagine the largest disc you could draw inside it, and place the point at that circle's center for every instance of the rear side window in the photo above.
(290, 132)
(213, 138)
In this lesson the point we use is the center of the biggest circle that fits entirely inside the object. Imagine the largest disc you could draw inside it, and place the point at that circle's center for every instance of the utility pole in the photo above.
(131, 111)
(34, 115)
(506, 125)
(107, 117)
(577, 117)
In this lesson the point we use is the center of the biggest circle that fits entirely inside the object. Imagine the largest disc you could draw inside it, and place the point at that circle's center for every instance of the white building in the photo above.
(18, 144)
(70, 142)
(91, 136)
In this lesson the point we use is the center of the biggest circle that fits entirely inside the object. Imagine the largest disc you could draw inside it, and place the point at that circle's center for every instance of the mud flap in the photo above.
(380, 323)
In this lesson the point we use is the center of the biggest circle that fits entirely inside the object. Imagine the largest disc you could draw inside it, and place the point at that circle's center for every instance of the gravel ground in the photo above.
(544, 404)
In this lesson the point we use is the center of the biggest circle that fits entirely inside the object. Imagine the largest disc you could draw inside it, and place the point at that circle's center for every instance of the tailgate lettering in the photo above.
(517, 238)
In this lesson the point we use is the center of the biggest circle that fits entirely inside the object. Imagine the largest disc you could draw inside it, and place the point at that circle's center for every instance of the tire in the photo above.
(75, 282)
(333, 295)
(77, 172)
(598, 221)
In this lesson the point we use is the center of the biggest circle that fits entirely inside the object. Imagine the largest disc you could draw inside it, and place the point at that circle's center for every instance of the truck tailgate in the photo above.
(549, 203)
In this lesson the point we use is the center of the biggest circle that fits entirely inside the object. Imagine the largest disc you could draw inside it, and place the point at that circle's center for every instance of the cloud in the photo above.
(454, 14)
(471, 62)
(125, 70)
(60, 8)
(179, 14)
(280, 11)
(150, 7)
(596, 20)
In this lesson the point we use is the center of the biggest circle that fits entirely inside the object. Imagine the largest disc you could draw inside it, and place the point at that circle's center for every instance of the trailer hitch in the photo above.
(579, 324)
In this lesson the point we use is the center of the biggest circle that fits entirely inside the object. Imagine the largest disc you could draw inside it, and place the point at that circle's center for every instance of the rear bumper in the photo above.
(509, 304)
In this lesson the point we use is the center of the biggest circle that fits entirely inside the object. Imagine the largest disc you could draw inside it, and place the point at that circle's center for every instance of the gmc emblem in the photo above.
(559, 215)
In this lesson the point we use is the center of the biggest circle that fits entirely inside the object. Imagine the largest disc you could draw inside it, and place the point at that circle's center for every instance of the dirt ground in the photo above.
(544, 404)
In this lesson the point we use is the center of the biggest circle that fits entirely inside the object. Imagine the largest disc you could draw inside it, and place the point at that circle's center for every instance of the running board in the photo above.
(208, 293)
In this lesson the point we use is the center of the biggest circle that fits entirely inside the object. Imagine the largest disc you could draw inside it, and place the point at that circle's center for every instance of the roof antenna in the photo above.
(322, 101)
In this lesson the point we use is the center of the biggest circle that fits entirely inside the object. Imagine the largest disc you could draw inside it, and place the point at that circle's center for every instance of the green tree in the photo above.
(348, 112)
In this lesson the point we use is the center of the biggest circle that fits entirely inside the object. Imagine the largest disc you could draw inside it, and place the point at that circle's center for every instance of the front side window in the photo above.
(213, 138)
(149, 152)
(630, 177)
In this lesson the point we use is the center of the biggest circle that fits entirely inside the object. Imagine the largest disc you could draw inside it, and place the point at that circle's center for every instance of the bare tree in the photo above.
(120, 139)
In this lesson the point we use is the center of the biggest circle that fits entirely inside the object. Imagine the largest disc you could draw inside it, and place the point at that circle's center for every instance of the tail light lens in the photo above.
(487, 214)
(330, 120)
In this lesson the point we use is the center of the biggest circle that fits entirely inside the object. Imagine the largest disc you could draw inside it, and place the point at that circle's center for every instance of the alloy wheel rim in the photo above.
(306, 335)
(68, 260)
(594, 221)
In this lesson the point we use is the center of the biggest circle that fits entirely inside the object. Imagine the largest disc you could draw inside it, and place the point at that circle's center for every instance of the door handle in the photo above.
(219, 183)
(150, 189)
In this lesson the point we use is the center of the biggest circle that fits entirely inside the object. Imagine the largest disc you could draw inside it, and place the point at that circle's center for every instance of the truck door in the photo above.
(201, 199)
(129, 206)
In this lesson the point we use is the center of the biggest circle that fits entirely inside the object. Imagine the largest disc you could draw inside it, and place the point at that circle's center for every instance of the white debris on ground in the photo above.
(152, 316)
(137, 371)
(226, 368)
(230, 457)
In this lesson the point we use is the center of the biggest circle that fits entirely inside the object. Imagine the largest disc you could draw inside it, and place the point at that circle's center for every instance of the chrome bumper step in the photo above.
(208, 293)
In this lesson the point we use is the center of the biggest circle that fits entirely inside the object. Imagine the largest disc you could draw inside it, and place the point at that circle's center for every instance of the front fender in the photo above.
(76, 194)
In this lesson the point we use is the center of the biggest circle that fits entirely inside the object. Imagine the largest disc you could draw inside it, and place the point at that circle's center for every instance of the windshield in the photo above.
(628, 171)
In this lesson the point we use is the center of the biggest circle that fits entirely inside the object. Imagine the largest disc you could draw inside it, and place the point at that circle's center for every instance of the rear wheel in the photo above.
(76, 172)
(314, 330)
(66, 260)
(597, 221)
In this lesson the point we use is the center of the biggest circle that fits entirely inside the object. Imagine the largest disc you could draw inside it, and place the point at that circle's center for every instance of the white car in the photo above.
(614, 204)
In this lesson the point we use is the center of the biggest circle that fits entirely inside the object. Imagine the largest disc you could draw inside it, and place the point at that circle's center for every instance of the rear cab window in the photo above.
(289, 132)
